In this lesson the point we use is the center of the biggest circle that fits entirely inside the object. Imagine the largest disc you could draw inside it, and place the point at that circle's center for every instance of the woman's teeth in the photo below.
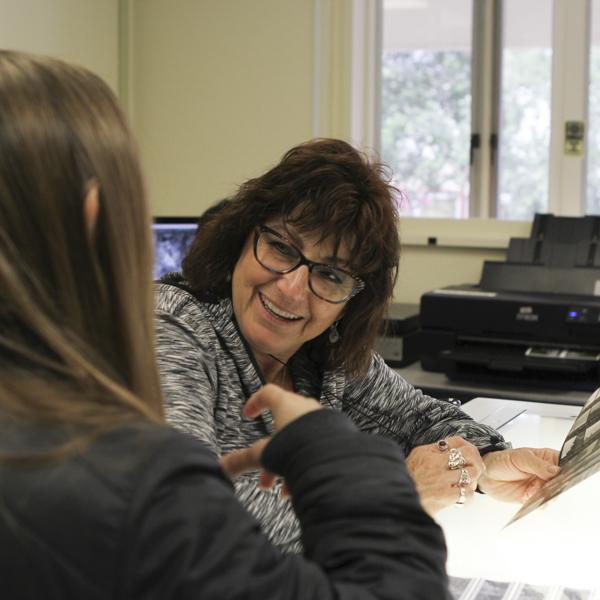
(277, 311)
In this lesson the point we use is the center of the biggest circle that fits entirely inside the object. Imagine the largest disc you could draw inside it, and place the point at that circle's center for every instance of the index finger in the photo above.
(284, 406)
(244, 460)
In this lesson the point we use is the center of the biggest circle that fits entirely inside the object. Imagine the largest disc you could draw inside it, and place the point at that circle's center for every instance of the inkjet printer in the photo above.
(398, 339)
(534, 319)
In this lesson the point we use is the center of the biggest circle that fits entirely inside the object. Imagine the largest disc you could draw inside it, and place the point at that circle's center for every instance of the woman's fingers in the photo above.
(248, 459)
(516, 474)
(438, 484)
(284, 406)
(470, 453)
(465, 477)
(244, 460)
(541, 463)
(266, 479)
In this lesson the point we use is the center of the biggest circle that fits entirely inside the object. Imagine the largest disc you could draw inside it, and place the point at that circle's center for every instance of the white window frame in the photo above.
(570, 87)
(485, 85)
(348, 40)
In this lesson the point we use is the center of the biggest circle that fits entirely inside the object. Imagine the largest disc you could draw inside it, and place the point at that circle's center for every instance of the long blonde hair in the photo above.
(76, 325)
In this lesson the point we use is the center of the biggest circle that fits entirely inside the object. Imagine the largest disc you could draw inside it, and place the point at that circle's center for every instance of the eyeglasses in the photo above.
(278, 255)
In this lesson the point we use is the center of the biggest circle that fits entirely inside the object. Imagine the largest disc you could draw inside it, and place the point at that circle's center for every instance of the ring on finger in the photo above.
(464, 479)
(455, 459)
(462, 496)
(442, 446)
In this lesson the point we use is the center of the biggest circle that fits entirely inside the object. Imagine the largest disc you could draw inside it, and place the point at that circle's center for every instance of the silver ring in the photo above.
(462, 496)
(443, 446)
(455, 459)
(464, 480)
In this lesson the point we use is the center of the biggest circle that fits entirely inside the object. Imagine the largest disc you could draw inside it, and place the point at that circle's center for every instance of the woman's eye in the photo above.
(282, 248)
(331, 275)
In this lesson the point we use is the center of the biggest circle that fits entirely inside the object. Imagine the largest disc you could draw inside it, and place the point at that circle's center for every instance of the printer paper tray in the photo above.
(517, 363)
(534, 364)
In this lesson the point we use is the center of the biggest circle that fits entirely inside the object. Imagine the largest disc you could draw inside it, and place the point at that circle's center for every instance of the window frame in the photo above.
(348, 47)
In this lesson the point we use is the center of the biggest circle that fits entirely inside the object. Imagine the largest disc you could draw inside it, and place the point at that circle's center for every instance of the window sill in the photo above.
(463, 233)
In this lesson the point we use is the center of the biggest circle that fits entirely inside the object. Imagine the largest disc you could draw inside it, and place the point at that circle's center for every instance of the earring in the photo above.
(228, 277)
(334, 334)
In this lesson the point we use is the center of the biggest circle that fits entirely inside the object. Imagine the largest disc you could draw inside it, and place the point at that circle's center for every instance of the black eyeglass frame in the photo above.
(359, 284)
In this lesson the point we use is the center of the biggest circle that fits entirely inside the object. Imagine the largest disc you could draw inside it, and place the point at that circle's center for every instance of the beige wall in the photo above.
(457, 257)
(219, 90)
(423, 268)
(81, 31)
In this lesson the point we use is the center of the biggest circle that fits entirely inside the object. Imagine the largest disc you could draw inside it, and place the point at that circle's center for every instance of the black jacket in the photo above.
(147, 513)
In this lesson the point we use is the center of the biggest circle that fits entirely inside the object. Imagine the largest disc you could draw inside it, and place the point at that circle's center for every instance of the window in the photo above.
(476, 99)
(525, 95)
(426, 103)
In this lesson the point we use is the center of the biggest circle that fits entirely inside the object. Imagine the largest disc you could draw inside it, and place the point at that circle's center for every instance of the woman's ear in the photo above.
(91, 206)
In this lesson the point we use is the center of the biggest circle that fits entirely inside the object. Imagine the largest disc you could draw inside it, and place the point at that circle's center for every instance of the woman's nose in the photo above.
(295, 284)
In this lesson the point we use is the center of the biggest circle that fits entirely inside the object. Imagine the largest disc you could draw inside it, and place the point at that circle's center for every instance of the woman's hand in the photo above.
(515, 475)
(285, 407)
(437, 484)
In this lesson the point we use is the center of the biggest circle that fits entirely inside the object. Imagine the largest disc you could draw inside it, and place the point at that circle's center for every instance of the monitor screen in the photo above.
(172, 237)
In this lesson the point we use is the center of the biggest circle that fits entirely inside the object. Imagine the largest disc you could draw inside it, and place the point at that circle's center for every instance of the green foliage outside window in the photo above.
(426, 104)
(426, 128)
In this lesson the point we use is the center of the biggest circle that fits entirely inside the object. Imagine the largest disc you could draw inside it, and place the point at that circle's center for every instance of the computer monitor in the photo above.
(172, 238)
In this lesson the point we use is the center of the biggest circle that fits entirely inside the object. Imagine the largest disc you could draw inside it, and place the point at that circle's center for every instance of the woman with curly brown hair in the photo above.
(287, 282)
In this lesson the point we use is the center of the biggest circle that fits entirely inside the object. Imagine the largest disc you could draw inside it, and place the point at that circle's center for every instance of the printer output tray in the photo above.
(548, 366)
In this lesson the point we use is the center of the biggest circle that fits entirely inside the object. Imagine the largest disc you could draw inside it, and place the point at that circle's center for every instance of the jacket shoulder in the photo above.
(64, 524)
(171, 298)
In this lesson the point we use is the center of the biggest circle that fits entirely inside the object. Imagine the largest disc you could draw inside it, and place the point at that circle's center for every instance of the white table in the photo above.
(557, 544)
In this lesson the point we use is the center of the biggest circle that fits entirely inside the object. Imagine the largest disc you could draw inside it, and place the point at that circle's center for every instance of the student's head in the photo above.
(329, 202)
(75, 249)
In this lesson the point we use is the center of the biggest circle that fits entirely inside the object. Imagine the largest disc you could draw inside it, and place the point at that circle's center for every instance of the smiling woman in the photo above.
(287, 283)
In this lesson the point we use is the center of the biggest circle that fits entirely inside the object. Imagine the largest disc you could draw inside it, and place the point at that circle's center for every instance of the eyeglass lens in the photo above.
(327, 282)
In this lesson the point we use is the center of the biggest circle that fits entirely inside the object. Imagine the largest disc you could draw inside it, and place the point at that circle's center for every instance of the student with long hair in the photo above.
(98, 497)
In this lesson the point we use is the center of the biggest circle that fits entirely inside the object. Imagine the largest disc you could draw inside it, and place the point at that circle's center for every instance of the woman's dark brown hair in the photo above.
(327, 187)
(76, 329)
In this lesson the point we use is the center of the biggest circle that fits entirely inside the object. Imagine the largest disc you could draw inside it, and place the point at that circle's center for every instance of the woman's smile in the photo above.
(279, 314)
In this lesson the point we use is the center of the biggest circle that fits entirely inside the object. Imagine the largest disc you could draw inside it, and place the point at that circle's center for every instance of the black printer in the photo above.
(533, 319)
(398, 339)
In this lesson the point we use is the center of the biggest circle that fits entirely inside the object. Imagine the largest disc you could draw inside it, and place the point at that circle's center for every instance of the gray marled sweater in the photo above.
(207, 374)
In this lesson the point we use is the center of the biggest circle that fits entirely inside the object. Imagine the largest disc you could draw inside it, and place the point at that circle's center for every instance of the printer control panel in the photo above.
(582, 314)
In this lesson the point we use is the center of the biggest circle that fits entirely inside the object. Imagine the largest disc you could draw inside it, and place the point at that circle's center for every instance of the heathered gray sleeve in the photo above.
(383, 402)
(187, 380)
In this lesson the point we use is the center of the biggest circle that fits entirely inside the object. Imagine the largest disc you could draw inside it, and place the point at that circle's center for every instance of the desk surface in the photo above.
(438, 385)
(554, 545)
